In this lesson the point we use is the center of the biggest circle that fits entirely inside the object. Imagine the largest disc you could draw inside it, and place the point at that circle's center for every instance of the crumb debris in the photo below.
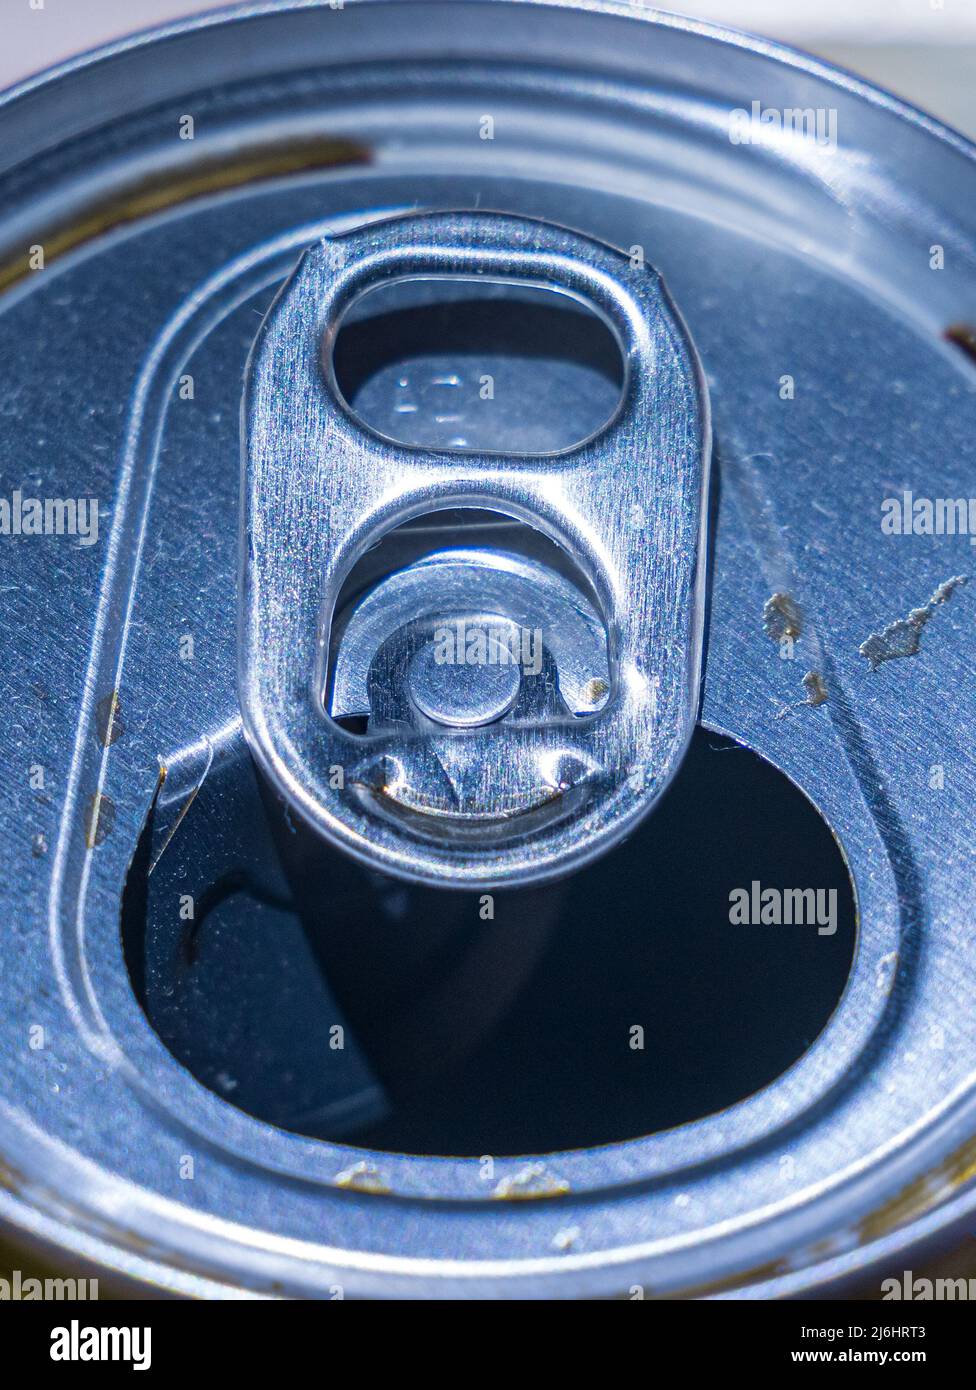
(534, 1180)
(99, 819)
(885, 971)
(902, 638)
(108, 720)
(813, 684)
(594, 690)
(566, 1238)
(782, 617)
(963, 335)
(362, 1177)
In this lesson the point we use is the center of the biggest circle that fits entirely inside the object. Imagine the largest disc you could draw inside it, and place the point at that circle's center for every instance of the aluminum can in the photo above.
(634, 958)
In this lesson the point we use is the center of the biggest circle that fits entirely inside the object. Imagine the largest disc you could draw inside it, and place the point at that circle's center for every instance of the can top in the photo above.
(825, 266)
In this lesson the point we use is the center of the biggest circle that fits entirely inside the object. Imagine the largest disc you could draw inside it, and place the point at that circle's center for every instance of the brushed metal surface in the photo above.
(627, 505)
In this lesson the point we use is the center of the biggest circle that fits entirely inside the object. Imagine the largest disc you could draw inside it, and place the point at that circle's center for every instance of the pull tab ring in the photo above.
(469, 777)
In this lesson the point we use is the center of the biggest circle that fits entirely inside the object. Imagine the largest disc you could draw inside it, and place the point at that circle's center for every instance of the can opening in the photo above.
(477, 365)
(639, 994)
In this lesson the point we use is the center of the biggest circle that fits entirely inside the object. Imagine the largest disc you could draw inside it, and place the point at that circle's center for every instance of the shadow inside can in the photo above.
(645, 991)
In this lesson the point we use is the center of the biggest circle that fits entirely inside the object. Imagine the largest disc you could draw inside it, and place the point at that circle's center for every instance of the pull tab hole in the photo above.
(420, 616)
(470, 366)
(625, 1000)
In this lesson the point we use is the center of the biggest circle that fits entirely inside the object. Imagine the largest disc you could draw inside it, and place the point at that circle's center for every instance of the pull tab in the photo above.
(530, 747)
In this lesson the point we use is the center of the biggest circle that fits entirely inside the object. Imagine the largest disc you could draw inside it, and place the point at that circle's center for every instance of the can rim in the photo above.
(787, 54)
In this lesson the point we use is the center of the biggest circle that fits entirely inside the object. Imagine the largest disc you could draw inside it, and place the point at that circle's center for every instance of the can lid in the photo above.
(827, 274)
